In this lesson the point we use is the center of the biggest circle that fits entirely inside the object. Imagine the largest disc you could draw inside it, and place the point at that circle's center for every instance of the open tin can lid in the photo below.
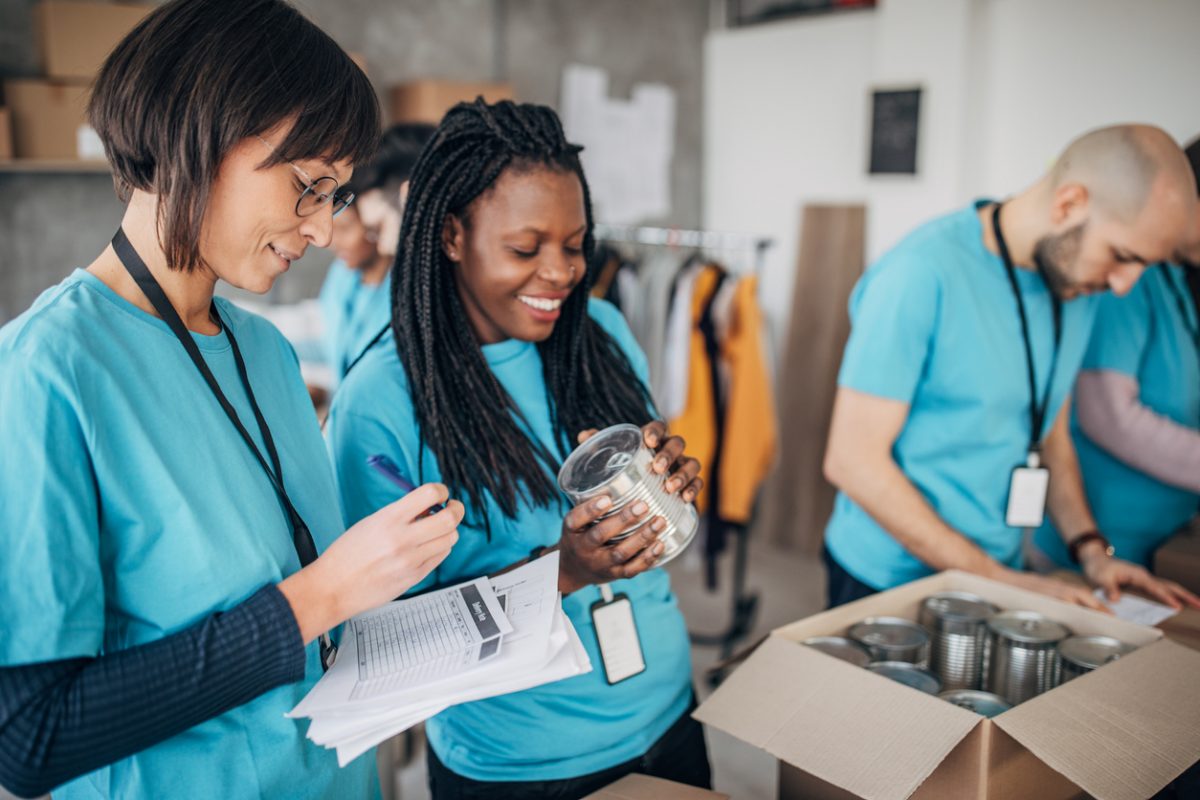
(1028, 627)
(600, 461)
(1091, 652)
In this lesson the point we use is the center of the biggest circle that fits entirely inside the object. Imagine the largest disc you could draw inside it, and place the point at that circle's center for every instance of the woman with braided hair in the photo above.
(497, 364)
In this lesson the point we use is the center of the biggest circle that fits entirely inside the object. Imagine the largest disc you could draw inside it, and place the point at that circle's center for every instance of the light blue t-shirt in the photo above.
(560, 730)
(1145, 337)
(353, 312)
(935, 325)
(133, 509)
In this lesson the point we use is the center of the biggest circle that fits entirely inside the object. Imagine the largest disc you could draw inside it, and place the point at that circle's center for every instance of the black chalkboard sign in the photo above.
(895, 115)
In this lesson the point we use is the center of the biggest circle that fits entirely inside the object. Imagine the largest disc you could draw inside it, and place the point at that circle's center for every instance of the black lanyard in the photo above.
(1192, 329)
(1037, 411)
(302, 538)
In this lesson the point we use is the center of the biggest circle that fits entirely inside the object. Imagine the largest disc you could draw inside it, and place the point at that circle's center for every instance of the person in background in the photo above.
(953, 394)
(171, 548)
(1136, 424)
(498, 363)
(355, 299)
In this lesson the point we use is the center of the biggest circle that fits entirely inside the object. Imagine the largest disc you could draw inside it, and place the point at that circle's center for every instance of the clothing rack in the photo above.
(678, 237)
(744, 603)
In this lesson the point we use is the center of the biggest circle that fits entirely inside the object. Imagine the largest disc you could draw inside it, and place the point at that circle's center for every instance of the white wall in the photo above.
(1006, 84)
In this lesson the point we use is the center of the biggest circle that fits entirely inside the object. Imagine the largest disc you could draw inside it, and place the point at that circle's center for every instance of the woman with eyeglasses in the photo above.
(172, 551)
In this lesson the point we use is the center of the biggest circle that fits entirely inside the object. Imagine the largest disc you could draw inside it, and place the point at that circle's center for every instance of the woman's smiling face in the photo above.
(518, 253)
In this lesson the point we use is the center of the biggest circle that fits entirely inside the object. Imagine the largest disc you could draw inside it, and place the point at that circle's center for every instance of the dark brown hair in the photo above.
(196, 77)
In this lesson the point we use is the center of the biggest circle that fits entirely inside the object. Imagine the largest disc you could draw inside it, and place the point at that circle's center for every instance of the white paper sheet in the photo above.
(539, 646)
(1136, 609)
(410, 643)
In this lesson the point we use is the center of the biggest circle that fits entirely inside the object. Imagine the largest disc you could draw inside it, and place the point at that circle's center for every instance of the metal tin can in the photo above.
(1080, 655)
(909, 674)
(957, 623)
(841, 647)
(1023, 654)
(983, 703)
(616, 462)
(892, 639)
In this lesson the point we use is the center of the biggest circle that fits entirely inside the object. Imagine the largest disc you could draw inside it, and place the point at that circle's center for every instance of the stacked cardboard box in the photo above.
(74, 38)
(429, 100)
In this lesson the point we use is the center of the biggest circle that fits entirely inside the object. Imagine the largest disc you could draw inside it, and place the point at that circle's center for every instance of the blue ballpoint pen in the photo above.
(385, 467)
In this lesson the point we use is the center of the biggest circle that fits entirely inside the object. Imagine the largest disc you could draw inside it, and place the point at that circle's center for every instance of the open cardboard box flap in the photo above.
(873, 737)
(1121, 732)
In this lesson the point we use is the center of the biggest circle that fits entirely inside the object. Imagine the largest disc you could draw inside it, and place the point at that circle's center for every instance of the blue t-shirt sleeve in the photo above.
(1121, 331)
(610, 318)
(51, 587)
(894, 314)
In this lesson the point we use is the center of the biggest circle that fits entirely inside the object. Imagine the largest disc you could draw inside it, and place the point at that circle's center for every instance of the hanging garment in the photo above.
(670, 390)
(751, 429)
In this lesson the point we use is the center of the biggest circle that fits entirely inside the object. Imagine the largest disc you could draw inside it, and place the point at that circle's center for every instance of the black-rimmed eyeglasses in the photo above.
(318, 193)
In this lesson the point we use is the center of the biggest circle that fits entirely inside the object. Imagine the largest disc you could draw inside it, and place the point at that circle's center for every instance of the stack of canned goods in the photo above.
(970, 653)
(616, 463)
(1023, 659)
(958, 624)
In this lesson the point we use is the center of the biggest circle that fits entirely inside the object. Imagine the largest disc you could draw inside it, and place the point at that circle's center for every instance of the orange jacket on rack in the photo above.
(750, 429)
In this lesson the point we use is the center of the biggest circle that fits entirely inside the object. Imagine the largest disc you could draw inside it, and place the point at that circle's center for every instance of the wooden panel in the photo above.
(798, 500)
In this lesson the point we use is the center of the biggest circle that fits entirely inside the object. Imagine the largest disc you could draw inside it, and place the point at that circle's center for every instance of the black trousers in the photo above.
(841, 587)
(680, 755)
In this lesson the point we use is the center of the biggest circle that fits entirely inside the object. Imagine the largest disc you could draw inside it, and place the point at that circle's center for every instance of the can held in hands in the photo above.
(1080, 655)
(1023, 654)
(957, 623)
(616, 463)
(840, 647)
(892, 639)
(909, 674)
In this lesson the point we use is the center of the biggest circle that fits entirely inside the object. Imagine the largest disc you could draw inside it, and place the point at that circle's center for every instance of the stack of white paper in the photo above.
(402, 663)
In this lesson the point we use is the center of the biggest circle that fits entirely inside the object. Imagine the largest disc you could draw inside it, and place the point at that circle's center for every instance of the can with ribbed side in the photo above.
(909, 674)
(957, 623)
(892, 639)
(983, 703)
(616, 462)
(841, 647)
(1023, 654)
(1080, 655)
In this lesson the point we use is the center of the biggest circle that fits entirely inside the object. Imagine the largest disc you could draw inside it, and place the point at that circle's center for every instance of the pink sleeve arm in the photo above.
(1111, 413)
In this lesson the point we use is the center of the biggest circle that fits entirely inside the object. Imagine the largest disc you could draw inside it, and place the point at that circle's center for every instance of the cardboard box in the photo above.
(6, 142)
(644, 787)
(429, 100)
(47, 118)
(75, 38)
(1119, 733)
(1179, 558)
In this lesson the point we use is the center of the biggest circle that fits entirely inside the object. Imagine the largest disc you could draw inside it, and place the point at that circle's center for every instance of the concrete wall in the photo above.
(49, 224)
(1006, 84)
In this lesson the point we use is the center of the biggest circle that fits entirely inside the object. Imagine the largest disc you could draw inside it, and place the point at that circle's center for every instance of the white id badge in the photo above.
(616, 633)
(1027, 497)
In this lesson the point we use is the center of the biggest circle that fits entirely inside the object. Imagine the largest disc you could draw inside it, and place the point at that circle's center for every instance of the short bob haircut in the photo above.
(196, 77)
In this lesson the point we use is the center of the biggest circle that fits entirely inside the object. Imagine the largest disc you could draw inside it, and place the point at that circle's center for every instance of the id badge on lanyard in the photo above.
(1029, 485)
(617, 636)
(1027, 491)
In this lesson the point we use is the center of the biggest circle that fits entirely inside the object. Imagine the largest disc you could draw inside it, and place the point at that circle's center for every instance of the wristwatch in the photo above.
(1084, 538)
